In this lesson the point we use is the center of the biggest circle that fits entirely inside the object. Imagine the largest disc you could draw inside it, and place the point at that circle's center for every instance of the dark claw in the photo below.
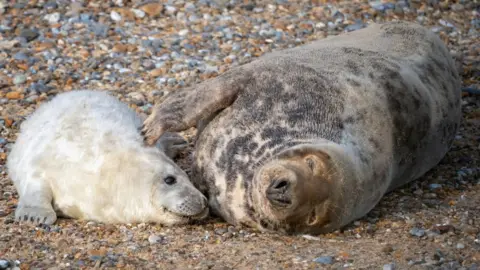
(25, 218)
(32, 219)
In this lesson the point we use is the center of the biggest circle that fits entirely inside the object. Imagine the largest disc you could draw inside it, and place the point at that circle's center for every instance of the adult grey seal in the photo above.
(308, 139)
(82, 156)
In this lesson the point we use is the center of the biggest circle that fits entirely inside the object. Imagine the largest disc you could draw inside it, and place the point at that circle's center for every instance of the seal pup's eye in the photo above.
(170, 180)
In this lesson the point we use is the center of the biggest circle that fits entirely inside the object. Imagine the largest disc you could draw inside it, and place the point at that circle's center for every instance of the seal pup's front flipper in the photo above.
(35, 203)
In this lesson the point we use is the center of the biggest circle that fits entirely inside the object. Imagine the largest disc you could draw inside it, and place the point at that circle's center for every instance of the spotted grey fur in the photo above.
(369, 111)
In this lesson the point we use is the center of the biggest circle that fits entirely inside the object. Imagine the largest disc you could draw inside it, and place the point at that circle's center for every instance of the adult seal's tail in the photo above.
(311, 138)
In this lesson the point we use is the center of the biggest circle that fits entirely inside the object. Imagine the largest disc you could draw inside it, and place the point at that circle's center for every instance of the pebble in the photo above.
(52, 4)
(154, 239)
(172, 81)
(31, 99)
(434, 186)
(29, 34)
(183, 32)
(152, 9)
(417, 232)
(115, 16)
(138, 13)
(324, 260)
(21, 56)
(19, 79)
(4, 264)
(390, 266)
(170, 10)
(354, 27)
(460, 246)
(220, 231)
(52, 18)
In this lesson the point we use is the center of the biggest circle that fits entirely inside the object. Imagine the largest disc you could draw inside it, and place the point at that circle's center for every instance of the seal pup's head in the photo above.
(297, 191)
(173, 196)
(146, 185)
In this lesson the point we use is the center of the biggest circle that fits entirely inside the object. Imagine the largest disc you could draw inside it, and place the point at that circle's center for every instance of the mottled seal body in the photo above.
(81, 155)
(306, 140)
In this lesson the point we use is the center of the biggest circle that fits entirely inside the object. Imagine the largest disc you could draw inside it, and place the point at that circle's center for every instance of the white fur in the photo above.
(83, 152)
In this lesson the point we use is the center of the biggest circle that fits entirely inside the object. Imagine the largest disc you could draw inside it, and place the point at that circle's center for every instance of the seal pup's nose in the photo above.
(279, 193)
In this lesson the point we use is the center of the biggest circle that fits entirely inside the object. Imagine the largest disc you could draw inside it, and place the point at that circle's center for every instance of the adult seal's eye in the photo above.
(170, 180)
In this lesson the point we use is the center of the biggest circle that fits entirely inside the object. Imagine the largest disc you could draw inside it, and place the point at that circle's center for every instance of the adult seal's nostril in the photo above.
(279, 194)
(280, 185)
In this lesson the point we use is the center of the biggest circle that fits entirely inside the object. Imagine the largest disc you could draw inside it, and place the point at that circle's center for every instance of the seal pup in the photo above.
(309, 139)
(81, 155)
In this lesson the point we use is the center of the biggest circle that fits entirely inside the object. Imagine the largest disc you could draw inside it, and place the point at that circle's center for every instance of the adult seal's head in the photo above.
(296, 190)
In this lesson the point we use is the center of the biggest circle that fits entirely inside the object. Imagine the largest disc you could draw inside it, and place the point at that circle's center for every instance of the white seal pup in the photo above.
(308, 139)
(81, 155)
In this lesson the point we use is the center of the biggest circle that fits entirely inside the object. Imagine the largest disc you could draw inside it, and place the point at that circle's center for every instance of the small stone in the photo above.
(19, 79)
(120, 48)
(138, 13)
(4, 264)
(324, 260)
(52, 18)
(8, 44)
(137, 97)
(152, 9)
(354, 27)
(44, 46)
(220, 231)
(102, 252)
(460, 246)
(161, 81)
(39, 87)
(190, 7)
(115, 16)
(13, 95)
(390, 266)
(172, 81)
(148, 64)
(155, 93)
(211, 69)
(434, 186)
(20, 56)
(170, 10)
(51, 5)
(417, 232)
(157, 72)
(387, 249)
(29, 34)
(31, 99)
(441, 229)
(457, 7)
(230, 59)
(183, 32)
(154, 239)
